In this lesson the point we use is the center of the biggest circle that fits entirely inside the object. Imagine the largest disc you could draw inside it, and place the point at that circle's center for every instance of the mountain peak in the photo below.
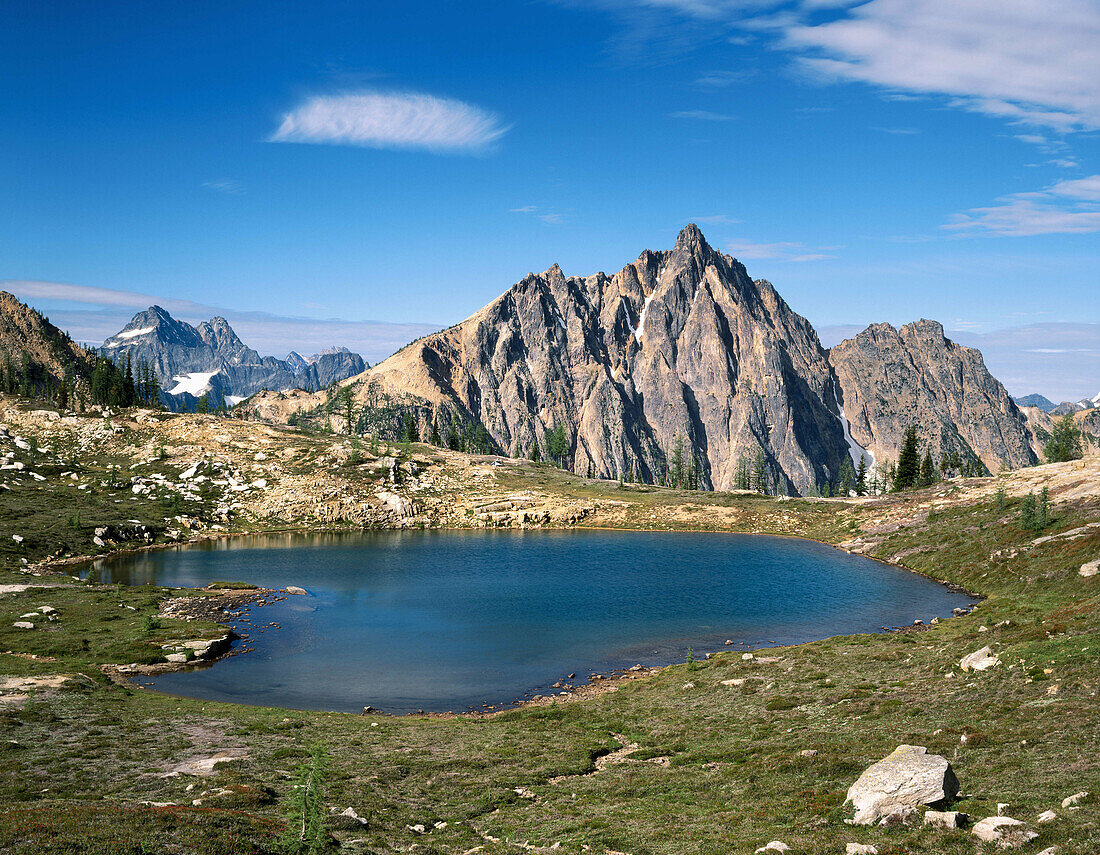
(691, 238)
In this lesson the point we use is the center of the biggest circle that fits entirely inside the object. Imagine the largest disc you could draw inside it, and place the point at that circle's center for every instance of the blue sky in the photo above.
(304, 168)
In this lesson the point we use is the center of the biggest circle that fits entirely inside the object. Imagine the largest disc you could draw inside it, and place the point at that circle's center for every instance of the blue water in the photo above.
(438, 621)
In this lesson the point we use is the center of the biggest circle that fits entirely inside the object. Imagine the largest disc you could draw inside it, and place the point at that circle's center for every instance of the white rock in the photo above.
(860, 849)
(1090, 569)
(687, 686)
(23, 624)
(351, 814)
(747, 656)
(945, 819)
(399, 505)
(416, 829)
(1047, 816)
(979, 660)
(1003, 830)
(176, 657)
(808, 752)
(774, 846)
(907, 778)
(1050, 850)
(295, 590)
(18, 538)
(1075, 799)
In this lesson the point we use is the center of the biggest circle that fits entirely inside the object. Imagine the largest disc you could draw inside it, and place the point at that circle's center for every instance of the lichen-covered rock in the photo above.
(907, 778)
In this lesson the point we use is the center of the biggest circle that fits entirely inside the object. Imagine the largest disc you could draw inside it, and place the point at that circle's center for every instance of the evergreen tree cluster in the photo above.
(124, 384)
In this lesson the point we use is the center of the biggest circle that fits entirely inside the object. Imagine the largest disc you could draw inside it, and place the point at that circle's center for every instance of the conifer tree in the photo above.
(861, 476)
(927, 470)
(908, 471)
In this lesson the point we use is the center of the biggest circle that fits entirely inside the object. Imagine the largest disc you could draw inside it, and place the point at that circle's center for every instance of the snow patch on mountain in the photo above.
(194, 383)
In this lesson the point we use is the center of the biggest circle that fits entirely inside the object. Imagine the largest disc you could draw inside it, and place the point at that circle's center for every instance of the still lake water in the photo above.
(439, 621)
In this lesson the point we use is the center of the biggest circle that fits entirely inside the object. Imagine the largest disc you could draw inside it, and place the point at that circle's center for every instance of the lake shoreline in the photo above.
(596, 685)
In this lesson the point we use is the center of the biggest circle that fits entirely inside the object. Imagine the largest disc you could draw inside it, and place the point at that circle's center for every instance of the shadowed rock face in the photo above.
(892, 378)
(680, 346)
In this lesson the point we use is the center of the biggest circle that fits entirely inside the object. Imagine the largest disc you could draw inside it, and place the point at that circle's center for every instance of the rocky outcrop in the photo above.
(906, 779)
(892, 378)
(678, 349)
(211, 359)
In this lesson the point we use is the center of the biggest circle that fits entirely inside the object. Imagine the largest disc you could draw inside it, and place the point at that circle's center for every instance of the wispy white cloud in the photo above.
(902, 132)
(392, 120)
(703, 115)
(780, 251)
(550, 217)
(1068, 207)
(714, 219)
(229, 186)
(1027, 62)
(718, 79)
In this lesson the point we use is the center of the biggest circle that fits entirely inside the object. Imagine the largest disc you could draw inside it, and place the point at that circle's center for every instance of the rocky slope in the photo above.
(51, 356)
(211, 358)
(891, 378)
(679, 347)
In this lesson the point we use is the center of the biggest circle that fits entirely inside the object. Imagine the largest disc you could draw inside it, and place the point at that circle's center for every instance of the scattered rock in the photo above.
(1090, 569)
(1003, 830)
(908, 777)
(1047, 816)
(1074, 800)
(808, 752)
(979, 660)
(860, 849)
(901, 815)
(945, 819)
(23, 624)
(296, 591)
(774, 846)
(747, 656)
(687, 686)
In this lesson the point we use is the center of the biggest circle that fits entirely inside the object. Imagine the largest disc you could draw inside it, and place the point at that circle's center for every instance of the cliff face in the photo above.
(891, 378)
(679, 347)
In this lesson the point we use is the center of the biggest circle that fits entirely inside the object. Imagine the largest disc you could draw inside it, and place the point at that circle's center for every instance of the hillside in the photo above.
(37, 357)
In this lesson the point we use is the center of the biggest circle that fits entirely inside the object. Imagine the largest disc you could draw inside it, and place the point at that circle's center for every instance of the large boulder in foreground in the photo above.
(907, 778)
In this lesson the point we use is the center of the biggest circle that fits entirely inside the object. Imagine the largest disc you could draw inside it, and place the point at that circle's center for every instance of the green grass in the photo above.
(717, 768)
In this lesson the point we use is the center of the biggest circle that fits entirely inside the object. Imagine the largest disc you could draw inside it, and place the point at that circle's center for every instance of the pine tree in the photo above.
(1065, 441)
(676, 464)
(536, 453)
(433, 436)
(760, 473)
(861, 476)
(847, 479)
(412, 430)
(908, 471)
(927, 470)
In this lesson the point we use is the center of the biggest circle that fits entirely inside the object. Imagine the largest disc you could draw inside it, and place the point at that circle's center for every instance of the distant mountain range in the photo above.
(211, 359)
(1064, 408)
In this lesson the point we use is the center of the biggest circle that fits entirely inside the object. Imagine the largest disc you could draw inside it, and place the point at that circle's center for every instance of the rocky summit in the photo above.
(892, 378)
(681, 355)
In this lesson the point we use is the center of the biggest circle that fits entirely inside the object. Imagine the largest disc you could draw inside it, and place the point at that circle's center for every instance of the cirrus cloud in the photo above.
(1068, 207)
(1027, 62)
(397, 120)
